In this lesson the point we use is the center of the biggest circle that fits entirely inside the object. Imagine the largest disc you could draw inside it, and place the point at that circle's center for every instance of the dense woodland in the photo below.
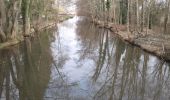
(20, 16)
(134, 15)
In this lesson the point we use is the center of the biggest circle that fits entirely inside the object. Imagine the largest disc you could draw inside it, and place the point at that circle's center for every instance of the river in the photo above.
(76, 60)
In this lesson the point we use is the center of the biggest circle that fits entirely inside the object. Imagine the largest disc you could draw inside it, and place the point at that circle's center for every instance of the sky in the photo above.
(68, 5)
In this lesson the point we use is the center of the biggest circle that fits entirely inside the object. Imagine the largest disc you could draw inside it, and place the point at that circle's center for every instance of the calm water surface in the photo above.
(79, 61)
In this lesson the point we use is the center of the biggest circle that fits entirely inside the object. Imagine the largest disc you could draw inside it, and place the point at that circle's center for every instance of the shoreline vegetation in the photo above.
(143, 23)
(43, 26)
(22, 18)
(156, 44)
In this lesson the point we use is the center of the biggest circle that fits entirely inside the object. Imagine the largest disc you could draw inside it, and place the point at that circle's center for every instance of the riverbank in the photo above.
(157, 44)
(20, 38)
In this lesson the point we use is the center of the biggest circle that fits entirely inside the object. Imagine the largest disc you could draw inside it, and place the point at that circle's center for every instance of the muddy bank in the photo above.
(157, 44)
(20, 38)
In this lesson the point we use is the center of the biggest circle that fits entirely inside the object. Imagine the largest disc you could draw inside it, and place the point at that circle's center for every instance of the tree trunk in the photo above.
(26, 17)
(2, 14)
(15, 19)
(137, 14)
(128, 12)
(2, 20)
(142, 16)
(2, 35)
(166, 16)
(114, 11)
(150, 21)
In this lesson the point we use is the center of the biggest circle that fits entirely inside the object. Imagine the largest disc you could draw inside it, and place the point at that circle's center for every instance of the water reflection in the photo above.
(25, 70)
(79, 61)
(122, 72)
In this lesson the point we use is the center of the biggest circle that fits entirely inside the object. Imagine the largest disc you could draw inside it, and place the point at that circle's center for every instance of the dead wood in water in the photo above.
(9, 43)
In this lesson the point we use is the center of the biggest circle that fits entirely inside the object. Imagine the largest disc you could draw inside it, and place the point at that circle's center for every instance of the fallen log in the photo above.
(9, 43)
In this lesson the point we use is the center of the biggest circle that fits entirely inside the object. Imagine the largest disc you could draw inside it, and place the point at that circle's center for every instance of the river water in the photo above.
(76, 60)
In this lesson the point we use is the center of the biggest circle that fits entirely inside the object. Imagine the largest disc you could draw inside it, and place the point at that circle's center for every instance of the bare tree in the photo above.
(167, 7)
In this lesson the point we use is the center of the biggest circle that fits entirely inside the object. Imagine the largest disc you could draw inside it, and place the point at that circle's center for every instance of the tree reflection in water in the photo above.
(25, 69)
(93, 64)
(122, 72)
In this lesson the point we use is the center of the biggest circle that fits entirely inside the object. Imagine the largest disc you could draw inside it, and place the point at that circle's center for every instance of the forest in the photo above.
(139, 15)
(144, 23)
(19, 16)
(23, 18)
